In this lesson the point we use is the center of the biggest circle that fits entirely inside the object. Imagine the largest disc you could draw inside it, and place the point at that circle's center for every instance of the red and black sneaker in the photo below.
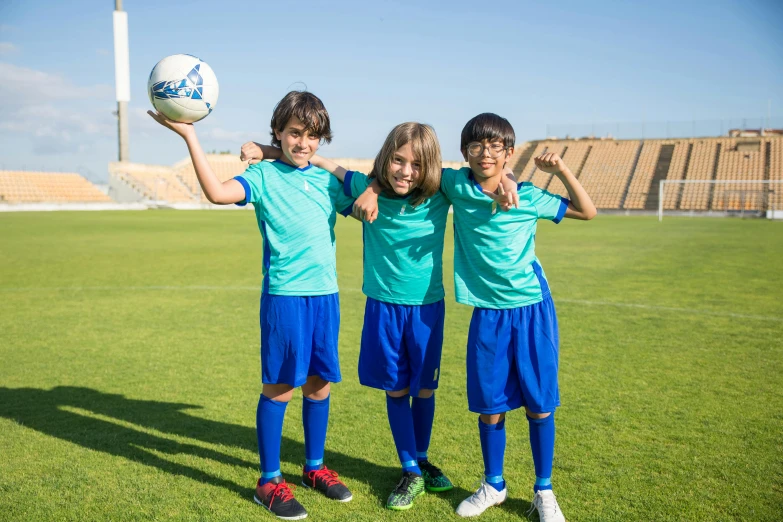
(325, 480)
(276, 496)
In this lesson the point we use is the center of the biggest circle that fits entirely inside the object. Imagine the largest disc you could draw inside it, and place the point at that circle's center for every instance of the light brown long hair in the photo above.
(426, 150)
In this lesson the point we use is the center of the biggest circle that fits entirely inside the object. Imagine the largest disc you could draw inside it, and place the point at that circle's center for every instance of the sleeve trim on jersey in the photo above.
(347, 183)
(562, 210)
(242, 181)
(347, 210)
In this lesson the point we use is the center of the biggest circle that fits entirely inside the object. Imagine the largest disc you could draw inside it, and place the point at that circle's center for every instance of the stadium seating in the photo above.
(618, 174)
(624, 174)
(739, 164)
(37, 187)
(225, 167)
(775, 169)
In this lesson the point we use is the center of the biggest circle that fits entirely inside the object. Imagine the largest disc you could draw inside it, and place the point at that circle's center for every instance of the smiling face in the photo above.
(484, 166)
(297, 143)
(404, 170)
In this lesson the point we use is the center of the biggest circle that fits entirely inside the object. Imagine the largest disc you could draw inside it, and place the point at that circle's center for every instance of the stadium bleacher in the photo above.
(38, 187)
(618, 174)
(624, 174)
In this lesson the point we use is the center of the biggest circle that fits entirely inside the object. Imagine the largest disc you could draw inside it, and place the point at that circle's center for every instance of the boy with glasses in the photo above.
(512, 352)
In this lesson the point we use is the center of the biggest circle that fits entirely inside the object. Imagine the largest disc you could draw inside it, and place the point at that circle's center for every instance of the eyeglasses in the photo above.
(476, 149)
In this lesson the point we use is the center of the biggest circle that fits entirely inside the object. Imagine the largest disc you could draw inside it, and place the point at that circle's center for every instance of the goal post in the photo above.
(720, 196)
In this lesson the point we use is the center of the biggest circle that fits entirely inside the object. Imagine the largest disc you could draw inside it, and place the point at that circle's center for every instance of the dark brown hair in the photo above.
(426, 150)
(308, 108)
(487, 126)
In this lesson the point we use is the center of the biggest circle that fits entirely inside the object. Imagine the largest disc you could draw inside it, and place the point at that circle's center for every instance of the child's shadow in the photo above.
(103, 426)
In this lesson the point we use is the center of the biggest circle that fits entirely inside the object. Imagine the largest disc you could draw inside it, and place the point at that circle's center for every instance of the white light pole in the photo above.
(121, 76)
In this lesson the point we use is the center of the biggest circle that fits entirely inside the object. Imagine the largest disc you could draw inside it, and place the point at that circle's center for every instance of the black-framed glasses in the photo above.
(476, 149)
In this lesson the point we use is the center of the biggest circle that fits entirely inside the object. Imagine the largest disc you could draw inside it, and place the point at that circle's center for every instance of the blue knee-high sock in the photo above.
(315, 417)
(493, 449)
(269, 429)
(423, 415)
(542, 443)
(401, 423)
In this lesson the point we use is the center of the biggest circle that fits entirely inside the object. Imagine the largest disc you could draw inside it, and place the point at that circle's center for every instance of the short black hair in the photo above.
(487, 126)
(308, 108)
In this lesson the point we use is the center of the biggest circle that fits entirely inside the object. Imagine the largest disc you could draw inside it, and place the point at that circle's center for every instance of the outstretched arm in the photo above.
(365, 208)
(220, 193)
(581, 206)
(329, 166)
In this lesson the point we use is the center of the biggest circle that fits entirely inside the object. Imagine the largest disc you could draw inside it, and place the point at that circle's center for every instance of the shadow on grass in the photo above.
(47, 411)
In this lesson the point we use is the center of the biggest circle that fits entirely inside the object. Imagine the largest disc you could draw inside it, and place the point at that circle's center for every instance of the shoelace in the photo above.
(548, 504)
(327, 475)
(402, 485)
(281, 491)
(481, 492)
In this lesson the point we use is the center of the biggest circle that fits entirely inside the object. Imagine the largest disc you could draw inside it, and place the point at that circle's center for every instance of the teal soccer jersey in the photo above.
(296, 209)
(403, 247)
(495, 264)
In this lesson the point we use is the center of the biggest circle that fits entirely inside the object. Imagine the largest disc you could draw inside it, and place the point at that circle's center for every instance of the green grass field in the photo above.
(129, 374)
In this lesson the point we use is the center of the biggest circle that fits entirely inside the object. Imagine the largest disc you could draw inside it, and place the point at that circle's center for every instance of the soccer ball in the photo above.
(183, 88)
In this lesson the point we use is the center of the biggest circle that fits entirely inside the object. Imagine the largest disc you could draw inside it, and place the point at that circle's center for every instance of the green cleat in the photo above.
(410, 486)
(434, 479)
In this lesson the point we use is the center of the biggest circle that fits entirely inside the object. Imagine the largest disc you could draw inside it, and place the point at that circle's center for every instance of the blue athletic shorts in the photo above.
(401, 346)
(299, 338)
(512, 359)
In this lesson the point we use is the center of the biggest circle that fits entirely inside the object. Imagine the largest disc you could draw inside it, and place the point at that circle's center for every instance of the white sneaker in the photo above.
(484, 497)
(546, 504)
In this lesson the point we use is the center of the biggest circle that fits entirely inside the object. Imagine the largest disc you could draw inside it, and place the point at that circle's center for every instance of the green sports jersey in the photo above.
(495, 264)
(296, 209)
(403, 247)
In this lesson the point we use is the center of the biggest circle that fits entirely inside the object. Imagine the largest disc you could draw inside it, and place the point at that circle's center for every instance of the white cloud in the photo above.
(22, 84)
(51, 121)
(55, 114)
(8, 48)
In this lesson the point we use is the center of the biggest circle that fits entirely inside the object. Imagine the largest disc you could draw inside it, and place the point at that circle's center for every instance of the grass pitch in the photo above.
(129, 374)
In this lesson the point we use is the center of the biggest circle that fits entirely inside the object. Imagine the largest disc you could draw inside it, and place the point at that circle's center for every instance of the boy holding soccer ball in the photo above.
(295, 206)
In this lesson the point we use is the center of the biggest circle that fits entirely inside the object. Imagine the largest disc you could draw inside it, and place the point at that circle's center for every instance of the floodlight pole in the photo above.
(122, 76)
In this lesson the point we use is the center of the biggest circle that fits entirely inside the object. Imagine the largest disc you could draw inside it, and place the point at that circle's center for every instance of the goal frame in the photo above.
(664, 182)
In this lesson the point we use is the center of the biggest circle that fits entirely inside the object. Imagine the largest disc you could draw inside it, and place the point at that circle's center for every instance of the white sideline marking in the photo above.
(358, 290)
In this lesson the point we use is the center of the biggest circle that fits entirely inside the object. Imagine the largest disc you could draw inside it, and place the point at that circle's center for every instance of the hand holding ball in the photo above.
(183, 88)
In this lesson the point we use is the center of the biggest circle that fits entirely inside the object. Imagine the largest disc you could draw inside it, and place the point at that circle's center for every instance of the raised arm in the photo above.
(581, 206)
(220, 193)
(329, 166)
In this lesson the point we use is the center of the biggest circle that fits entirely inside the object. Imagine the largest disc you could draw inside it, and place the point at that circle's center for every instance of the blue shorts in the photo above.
(299, 338)
(401, 346)
(512, 359)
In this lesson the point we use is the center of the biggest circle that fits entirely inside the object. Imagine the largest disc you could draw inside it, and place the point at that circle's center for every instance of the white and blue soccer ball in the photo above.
(183, 88)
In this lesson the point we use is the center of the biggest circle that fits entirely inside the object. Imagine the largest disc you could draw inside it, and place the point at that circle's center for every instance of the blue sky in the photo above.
(376, 64)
